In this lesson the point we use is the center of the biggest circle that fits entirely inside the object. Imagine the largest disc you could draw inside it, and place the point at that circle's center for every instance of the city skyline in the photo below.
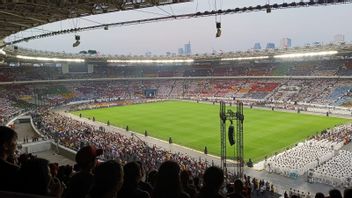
(239, 31)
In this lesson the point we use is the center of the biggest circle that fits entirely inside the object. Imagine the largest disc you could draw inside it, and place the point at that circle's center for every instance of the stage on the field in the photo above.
(197, 125)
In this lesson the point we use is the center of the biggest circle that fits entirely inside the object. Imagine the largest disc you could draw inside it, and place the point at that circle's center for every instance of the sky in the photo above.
(239, 31)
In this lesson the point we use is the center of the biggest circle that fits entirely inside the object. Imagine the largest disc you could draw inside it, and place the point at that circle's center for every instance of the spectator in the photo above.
(35, 178)
(238, 190)
(132, 176)
(64, 174)
(347, 193)
(213, 180)
(144, 185)
(319, 195)
(196, 181)
(334, 193)
(186, 184)
(168, 184)
(152, 177)
(108, 180)
(8, 171)
(80, 183)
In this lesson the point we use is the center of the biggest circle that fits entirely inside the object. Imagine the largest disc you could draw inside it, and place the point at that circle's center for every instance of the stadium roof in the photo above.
(18, 15)
(14, 53)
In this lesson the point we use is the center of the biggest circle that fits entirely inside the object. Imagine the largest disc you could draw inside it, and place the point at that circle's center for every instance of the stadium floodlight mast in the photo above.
(238, 139)
(77, 60)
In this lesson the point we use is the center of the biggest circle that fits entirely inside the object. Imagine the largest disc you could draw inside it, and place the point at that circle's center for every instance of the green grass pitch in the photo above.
(197, 125)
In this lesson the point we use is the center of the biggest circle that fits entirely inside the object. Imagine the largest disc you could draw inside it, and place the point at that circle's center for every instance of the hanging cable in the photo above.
(197, 7)
(150, 12)
(217, 22)
(164, 11)
(90, 20)
(172, 10)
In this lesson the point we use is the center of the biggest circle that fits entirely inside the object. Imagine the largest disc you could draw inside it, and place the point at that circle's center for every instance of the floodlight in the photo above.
(50, 59)
(218, 29)
(75, 44)
(153, 61)
(218, 33)
(77, 38)
(306, 54)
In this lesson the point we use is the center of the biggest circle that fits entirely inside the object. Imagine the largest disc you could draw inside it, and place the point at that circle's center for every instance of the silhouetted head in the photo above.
(213, 178)
(238, 186)
(334, 193)
(319, 195)
(35, 176)
(132, 173)
(108, 178)
(8, 141)
(168, 183)
(347, 192)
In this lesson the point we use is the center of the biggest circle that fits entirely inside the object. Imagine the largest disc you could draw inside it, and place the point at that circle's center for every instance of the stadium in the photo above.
(278, 120)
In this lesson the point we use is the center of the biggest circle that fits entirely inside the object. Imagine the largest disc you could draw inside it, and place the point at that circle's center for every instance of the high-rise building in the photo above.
(285, 43)
(257, 46)
(270, 46)
(180, 51)
(149, 53)
(188, 50)
(339, 38)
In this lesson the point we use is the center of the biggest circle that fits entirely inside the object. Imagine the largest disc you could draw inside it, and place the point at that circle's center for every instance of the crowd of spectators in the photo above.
(294, 68)
(342, 133)
(309, 91)
(320, 157)
(113, 178)
(336, 172)
(8, 110)
(73, 134)
(299, 159)
(116, 176)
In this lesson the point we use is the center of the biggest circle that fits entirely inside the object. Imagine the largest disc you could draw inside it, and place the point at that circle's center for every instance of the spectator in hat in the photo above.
(81, 182)
(8, 171)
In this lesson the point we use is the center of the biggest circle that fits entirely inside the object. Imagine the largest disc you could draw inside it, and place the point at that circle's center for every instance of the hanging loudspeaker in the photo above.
(230, 134)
